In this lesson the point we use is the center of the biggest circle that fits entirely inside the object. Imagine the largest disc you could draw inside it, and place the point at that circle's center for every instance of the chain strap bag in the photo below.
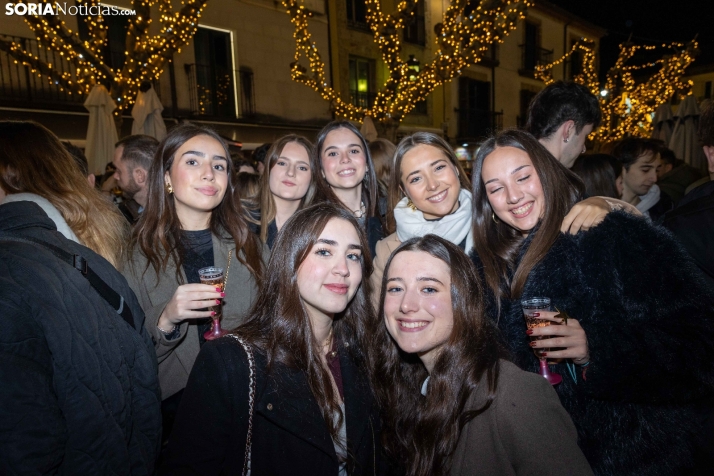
(251, 403)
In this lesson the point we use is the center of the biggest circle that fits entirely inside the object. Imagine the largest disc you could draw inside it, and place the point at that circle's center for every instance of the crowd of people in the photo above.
(372, 294)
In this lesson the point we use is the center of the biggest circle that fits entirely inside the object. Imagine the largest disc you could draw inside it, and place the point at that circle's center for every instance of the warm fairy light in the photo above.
(146, 55)
(627, 105)
(462, 40)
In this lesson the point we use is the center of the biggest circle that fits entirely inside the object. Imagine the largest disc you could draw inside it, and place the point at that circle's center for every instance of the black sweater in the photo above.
(648, 317)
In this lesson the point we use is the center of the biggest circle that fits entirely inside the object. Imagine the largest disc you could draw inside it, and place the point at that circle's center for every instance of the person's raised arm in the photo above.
(590, 212)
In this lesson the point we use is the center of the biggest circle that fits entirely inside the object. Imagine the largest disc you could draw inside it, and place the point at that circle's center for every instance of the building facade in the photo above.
(235, 73)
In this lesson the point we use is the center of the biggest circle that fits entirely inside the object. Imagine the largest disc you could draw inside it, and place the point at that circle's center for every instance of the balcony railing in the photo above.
(532, 56)
(476, 124)
(211, 91)
(20, 86)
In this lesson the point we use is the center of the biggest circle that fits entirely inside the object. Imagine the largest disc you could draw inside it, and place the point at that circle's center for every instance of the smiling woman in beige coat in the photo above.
(451, 404)
(193, 219)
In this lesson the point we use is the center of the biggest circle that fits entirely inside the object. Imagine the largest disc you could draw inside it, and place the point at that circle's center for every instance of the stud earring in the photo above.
(411, 205)
(565, 140)
(493, 216)
(169, 188)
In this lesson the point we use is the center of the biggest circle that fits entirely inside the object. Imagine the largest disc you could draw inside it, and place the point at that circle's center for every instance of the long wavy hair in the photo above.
(279, 324)
(395, 187)
(370, 185)
(158, 232)
(421, 433)
(33, 160)
(498, 244)
(266, 200)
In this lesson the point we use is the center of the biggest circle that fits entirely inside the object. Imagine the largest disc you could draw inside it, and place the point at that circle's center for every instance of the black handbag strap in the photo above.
(113, 298)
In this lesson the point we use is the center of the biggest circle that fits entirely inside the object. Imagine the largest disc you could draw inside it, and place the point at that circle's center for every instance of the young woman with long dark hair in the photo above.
(312, 410)
(288, 185)
(433, 344)
(193, 219)
(636, 352)
(430, 193)
(348, 177)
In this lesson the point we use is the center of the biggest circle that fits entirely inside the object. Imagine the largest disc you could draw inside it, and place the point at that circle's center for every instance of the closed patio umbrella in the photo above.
(102, 132)
(147, 114)
(684, 141)
(368, 130)
(663, 123)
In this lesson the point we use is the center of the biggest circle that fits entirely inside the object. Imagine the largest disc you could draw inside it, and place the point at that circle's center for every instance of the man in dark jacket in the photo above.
(79, 390)
(692, 222)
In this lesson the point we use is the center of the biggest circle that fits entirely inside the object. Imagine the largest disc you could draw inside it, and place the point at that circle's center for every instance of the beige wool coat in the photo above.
(525, 431)
(176, 357)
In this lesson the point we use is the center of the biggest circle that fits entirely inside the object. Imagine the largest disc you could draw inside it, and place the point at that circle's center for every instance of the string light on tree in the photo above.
(463, 38)
(146, 54)
(628, 104)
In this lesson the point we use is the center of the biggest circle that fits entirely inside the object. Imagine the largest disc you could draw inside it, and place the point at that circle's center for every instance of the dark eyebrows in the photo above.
(350, 145)
(430, 165)
(201, 154)
(327, 242)
(424, 278)
(297, 161)
(514, 171)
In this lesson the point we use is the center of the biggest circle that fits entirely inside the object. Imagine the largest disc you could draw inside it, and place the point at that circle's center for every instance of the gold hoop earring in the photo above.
(495, 220)
(169, 188)
(411, 205)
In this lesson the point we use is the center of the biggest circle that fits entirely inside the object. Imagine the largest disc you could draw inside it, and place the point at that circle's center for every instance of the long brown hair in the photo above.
(158, 232)
(278, 322)
(370, 186)
(395, 194)
(498, 244)
(422, 433)
(33, 160)
(267, 202)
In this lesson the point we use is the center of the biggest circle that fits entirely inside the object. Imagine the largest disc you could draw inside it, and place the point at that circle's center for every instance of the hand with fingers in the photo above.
(590, 212)
(185, 302)
(568, 336)
(585, 215)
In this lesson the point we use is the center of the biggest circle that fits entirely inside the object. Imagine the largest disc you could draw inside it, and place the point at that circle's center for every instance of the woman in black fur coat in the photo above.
(636, 355)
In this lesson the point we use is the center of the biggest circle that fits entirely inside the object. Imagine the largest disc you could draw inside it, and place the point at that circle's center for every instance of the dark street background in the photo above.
(649, 22)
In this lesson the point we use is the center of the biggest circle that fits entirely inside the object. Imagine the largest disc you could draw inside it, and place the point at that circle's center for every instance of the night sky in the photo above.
(650, 21)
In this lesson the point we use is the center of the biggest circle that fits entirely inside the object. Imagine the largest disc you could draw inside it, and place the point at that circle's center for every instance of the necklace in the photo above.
(328, 345)
(359, 213)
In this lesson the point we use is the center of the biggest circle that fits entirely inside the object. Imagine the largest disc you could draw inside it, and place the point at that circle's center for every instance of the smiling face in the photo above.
(417, 304)
(329, 276)
(431, 181)
(513, 188)
(290, 176)
(199, 178)
(343, 159)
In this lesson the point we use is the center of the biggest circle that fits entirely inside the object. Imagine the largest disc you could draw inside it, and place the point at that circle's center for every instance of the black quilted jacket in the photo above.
(649, 321)
(79, 392)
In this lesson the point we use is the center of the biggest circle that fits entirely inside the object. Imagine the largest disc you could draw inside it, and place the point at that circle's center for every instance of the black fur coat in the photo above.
(649, 321)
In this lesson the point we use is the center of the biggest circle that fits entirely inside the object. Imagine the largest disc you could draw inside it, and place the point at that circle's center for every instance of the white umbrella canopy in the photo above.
(102, 132)
(663, 123)
(684, 141)
(147, 115)
(368, 131)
